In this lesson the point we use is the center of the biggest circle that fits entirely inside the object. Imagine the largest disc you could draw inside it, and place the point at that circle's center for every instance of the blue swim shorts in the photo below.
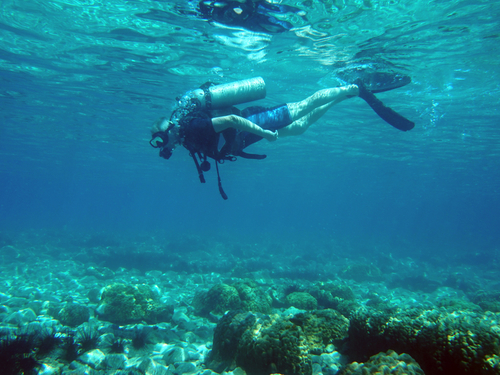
(268, 118)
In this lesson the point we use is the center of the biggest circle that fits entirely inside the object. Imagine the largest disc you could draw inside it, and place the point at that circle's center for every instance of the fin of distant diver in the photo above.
(387, 114)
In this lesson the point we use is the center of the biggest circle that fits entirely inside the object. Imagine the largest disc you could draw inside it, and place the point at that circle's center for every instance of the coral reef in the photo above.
(252, 297)
(389, 363)
(335, 296)
(274, 344)
(454, 304)
(488, 301)
(302, 300)
(227, 336)
(418, 283)
(218, 299)
(122, 304)
(361, 272)
(322, 327)
(456, 343)
(244, 295)
(73, 314)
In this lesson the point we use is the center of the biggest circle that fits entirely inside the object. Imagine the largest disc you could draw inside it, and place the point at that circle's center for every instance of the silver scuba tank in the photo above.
(238, 92)
(229, 94)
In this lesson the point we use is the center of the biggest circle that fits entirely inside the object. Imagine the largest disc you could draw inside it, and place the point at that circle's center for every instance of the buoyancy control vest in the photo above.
(197, 132)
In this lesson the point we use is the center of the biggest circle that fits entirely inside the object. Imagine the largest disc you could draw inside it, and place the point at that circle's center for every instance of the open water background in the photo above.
(82, 81)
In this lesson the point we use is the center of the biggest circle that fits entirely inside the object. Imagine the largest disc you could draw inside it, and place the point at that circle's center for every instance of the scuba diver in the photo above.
(253, 15)
(206, 122)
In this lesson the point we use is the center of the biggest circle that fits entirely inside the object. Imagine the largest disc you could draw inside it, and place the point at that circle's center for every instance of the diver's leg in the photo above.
(320, 98)
(302, 124)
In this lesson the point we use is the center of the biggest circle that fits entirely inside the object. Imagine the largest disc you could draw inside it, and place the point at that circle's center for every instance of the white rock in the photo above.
(93, 358)
(192, 355)
(330, 348)
(331, 370)
(16, 318)
(17, 302)
(28, 292)
(162, 348)
(316, 359)
(179, 316)
(29, 315)
(291, 311)
(48, 370)
(36, 306)
(133, 362)
(238, 371)
(150, 367)
(330, 359)
(189, 337)
(185, 368)
(174, 355)
(316, 369)
(52, 298)
(114, 361)
(101, 310)
(146, 365)
(82, 368)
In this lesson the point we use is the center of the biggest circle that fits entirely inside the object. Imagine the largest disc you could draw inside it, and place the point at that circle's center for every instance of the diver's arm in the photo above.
(240, 123)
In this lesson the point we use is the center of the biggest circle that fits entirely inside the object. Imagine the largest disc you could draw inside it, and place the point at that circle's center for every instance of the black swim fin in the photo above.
(387, 114)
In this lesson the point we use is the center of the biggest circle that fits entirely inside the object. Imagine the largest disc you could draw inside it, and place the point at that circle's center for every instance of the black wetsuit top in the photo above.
(199, 134)
(202, 141)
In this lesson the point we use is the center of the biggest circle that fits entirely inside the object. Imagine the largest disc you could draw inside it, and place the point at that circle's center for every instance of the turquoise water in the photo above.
(82, 82)
(356, 215)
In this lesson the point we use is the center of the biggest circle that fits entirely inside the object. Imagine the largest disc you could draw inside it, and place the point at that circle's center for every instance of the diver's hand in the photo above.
(271, 136)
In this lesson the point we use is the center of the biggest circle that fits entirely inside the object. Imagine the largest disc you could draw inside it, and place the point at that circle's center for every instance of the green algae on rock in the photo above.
(335, 296)
(73, 314)
(244, 295)
(252, 297)
(322, 328)
(302, 300)
(389, 363)
(442, 342)
(274, 344)
(218, 299)
(488, 301)
(122, 304)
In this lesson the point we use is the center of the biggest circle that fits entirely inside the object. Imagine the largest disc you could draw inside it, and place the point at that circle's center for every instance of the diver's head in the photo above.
(165, 136)
(160, 125)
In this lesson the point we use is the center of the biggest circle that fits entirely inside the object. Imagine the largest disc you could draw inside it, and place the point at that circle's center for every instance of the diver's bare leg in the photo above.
(320, 98)
(302, 124)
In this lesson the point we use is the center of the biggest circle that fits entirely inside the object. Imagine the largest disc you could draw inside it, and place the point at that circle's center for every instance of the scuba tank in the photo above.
(238, 92)
(211, 96)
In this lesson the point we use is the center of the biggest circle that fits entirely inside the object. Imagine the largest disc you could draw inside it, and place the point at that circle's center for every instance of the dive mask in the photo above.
(160, 140)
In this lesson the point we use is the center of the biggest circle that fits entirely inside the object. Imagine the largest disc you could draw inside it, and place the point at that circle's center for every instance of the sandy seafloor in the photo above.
(42, 271)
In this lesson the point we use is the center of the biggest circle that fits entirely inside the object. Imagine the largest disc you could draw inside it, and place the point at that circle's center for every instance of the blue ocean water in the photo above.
(347, 241)
(83, 80)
